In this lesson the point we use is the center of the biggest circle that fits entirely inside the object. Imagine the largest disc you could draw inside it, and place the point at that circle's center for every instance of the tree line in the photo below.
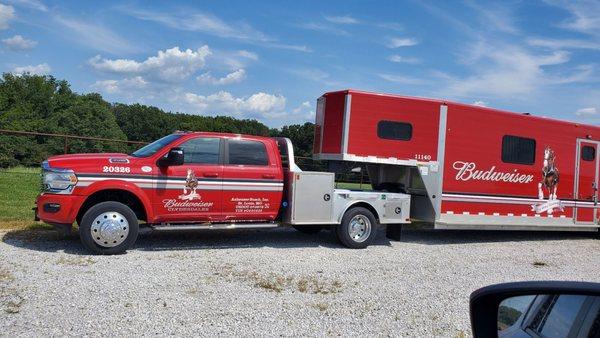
(47, 105)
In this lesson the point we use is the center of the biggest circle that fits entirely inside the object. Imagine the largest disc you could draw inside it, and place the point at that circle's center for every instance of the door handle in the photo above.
(211, 175)
(270, 176)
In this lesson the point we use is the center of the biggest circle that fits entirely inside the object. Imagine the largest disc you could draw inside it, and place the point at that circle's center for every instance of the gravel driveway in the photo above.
(272, 282)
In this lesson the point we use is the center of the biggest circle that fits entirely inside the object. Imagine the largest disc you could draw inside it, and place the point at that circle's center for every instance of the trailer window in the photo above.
(518, 150)
(247, 152)
(392, 130)
(588, 153)
(201, 150)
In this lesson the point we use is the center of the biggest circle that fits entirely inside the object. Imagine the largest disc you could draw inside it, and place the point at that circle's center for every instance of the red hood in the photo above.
(85, 162)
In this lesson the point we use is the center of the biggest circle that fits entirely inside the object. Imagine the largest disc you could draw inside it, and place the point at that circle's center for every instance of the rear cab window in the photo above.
(247, 152)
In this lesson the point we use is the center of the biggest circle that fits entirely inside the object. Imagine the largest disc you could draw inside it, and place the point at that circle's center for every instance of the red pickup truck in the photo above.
(198, 180)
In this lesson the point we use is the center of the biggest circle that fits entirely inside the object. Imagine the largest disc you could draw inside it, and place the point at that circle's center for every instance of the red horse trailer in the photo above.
(465, 166)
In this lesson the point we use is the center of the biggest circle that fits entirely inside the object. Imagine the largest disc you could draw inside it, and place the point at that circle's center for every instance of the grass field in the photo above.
(18, 189)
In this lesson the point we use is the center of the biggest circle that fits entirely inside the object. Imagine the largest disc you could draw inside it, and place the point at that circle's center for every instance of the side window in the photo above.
(201, 150)
(247, 152)
(557, 316)
(588, 153)
(392, 130)
(518, 150)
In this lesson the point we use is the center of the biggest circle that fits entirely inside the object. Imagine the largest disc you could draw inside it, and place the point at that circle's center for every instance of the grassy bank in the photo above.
(19, 187)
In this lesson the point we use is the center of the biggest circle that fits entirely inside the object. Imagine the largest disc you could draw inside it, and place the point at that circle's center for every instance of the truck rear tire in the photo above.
(357, 229)
(108, 228)
(308, 229)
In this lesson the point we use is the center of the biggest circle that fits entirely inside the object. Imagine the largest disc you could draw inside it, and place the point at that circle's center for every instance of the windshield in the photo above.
(152, 148)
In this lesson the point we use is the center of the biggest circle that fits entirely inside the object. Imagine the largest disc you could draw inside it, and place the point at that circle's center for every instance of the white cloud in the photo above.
(402, 59)
(169, 65)
(202, 22)
(564, 44)
(401, 42)
(259, 104)
(233, 60)
(588, 112)
(585, 15)
(508, 71)
(480, 103)
(41, 69)
(303, 105)
(248, 55)
(233, 77)
(316, 26)
(94, 36)
(33, 4)
(19, 43)
(7, 13)
(402, 79)
(120, 86)
(345, 19)
(210, 24)
(495, 16)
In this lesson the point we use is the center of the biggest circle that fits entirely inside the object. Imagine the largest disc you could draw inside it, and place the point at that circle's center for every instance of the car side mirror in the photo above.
(174, 157)
(536, 309)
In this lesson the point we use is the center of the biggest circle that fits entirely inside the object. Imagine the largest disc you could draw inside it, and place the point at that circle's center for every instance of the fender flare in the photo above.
(116, 184)
(353, 204)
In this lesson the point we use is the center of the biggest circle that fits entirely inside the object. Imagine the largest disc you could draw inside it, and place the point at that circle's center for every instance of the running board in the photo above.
(485, 222)
(212, 226)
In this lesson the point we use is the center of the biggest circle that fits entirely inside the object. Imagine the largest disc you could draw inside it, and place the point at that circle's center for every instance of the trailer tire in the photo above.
(308, 229)
(108, 228)
(357, 229)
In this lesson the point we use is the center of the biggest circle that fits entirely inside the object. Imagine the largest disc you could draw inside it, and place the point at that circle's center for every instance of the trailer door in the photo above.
(586, 182)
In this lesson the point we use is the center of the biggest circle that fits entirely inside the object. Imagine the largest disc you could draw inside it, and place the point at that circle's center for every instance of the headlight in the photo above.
(57, 180)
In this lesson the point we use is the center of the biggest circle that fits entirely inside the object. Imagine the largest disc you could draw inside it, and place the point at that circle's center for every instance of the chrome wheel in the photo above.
(109, 229)
(360, 228)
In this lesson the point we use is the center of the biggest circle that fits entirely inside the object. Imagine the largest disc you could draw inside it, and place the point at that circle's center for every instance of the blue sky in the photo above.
(271, 60)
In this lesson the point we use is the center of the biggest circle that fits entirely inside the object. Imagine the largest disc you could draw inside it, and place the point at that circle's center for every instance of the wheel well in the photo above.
(366, 206)
(116, 195)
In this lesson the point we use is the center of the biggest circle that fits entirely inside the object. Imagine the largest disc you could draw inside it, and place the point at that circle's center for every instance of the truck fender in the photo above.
(125, 186)
(357, 203)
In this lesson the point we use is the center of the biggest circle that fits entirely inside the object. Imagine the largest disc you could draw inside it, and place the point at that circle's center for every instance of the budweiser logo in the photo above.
(181, 206)
(468, 171)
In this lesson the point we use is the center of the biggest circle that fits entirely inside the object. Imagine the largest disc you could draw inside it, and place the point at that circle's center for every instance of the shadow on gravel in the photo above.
(441, 237)
(51, 241)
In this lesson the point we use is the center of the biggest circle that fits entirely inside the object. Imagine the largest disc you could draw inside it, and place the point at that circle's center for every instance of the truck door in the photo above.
(252, 181)
(192, 191)
(587, 182)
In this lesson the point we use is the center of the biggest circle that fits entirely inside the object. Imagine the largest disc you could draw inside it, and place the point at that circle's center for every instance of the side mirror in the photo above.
(536, 309)
(174, 157)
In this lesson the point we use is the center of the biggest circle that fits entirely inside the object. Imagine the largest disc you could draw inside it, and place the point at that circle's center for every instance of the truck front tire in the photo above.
(108, 228)
(358, 228)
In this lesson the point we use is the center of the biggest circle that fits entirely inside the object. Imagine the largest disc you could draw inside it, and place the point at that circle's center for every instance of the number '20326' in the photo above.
(111, 169)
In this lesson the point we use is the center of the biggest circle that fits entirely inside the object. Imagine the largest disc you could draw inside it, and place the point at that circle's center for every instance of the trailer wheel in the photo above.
(358, 228)
(108, 228)
(308, 229)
